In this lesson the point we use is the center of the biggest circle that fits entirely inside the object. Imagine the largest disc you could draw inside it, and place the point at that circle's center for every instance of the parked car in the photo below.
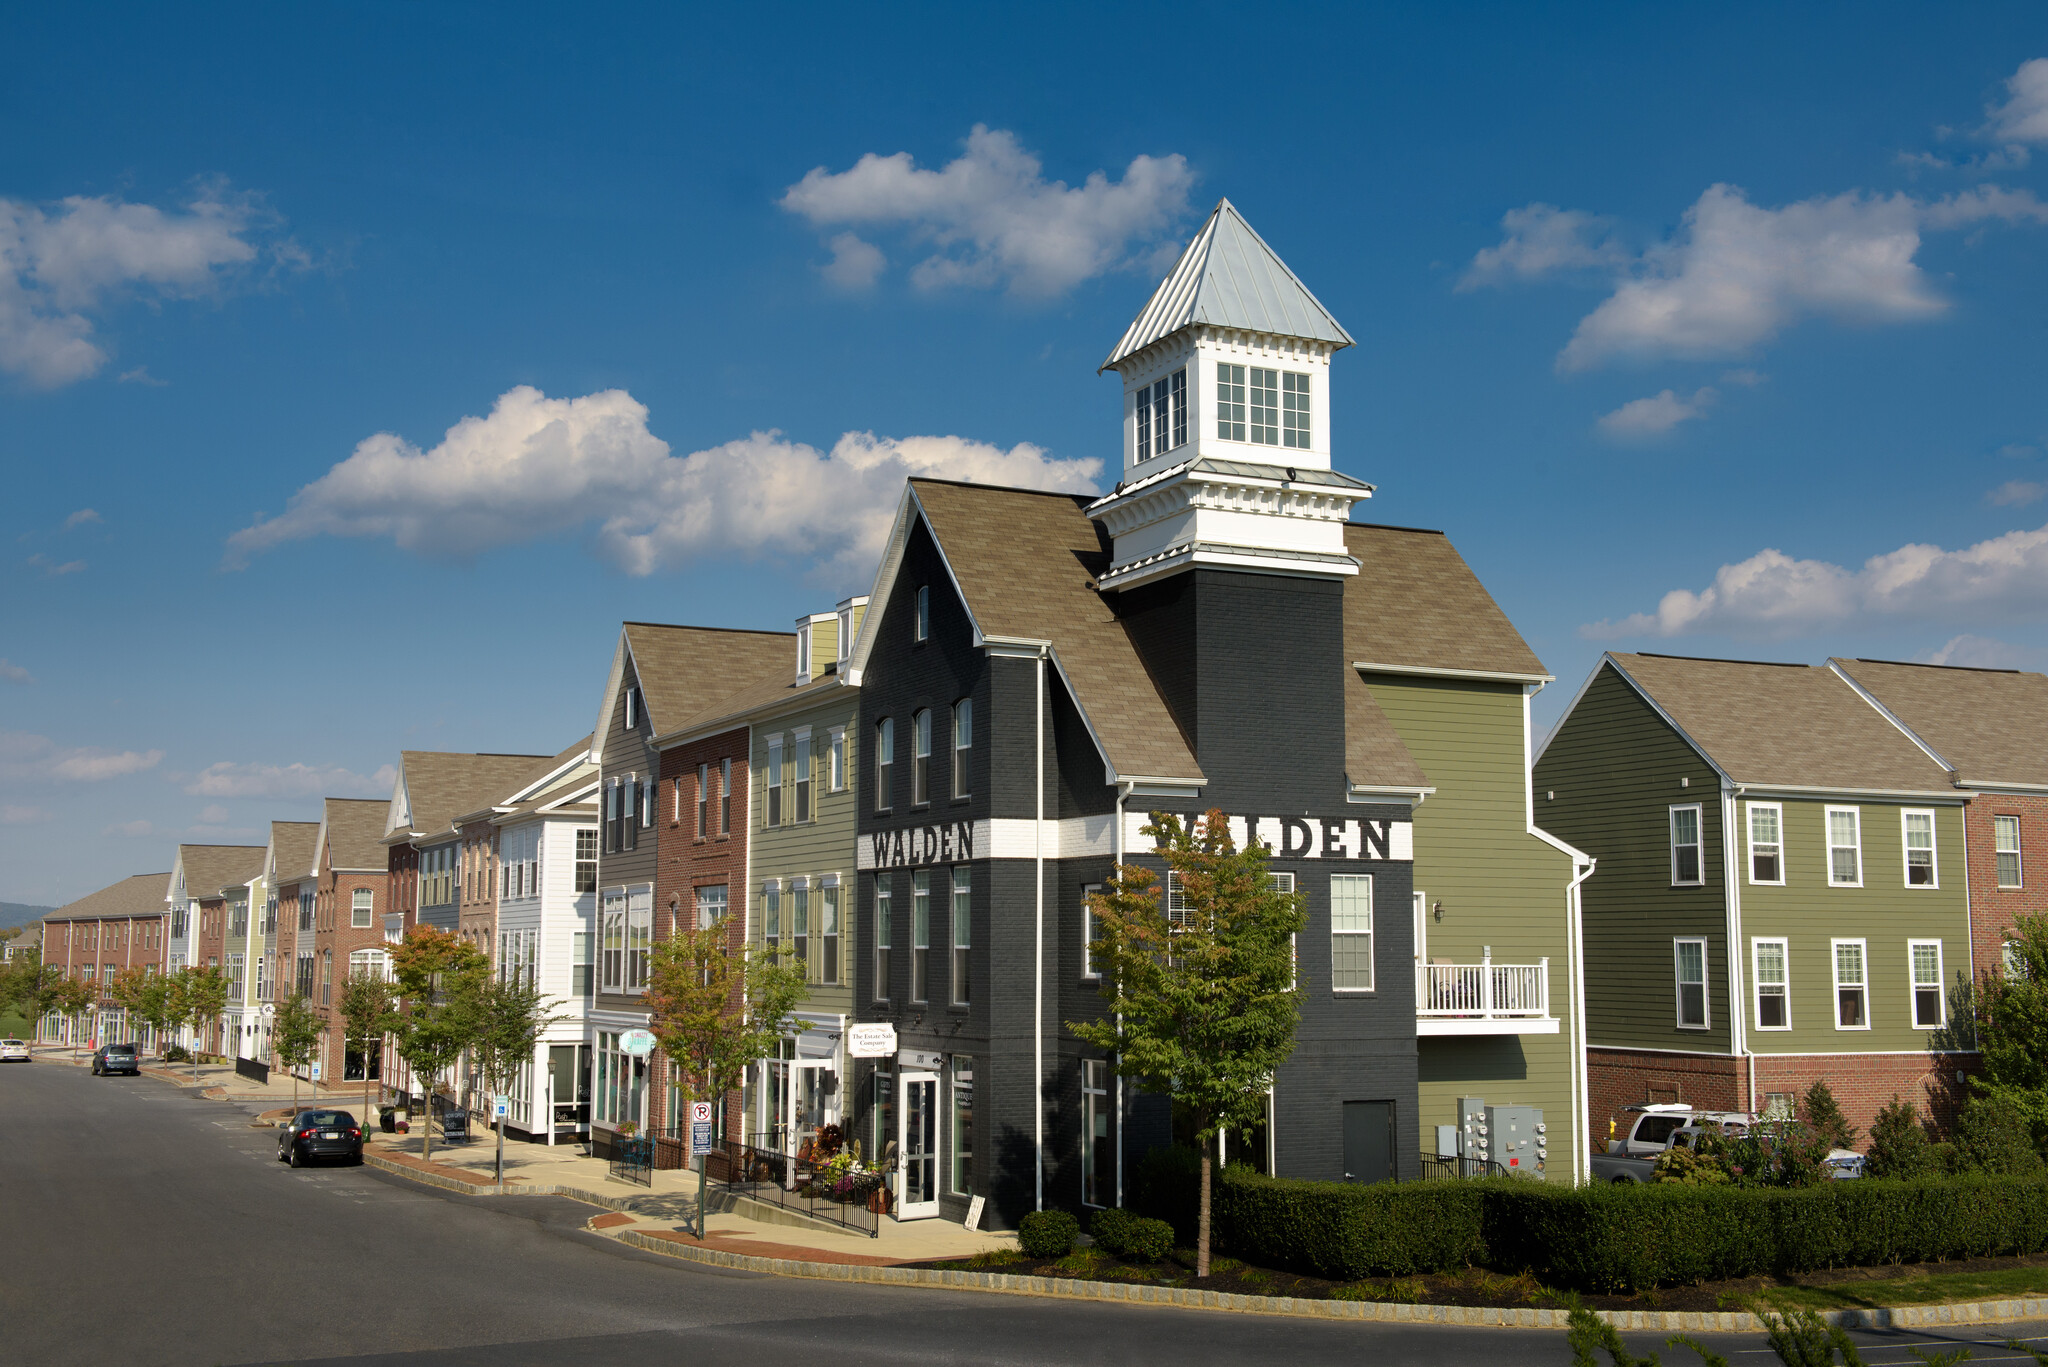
(1633, 1157)
(14, 1051)
(116, 1058)
(319, 1134)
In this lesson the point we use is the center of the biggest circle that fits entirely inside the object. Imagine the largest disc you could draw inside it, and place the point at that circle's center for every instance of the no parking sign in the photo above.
(700, 1129)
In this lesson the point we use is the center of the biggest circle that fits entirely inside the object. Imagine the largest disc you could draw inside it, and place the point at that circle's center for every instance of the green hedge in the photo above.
(1614, 1238)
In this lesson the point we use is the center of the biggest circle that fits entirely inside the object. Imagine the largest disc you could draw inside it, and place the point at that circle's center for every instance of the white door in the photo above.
(917, 1179)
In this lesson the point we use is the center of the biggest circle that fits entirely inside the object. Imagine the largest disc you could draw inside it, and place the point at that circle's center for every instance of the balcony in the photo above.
(1485, 998)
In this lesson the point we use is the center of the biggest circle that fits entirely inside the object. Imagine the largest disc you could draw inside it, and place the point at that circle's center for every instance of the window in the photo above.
(921, 628)
(586, 860)
(1294, 410)
(921, 757)
(1351, 932)
(2011, 960)
(306, 911)
(1162, 415)
(235, 975)
(803, 775)
(800, 924)
(2005, 841)
(675, 813)
(1924, 958)
(711, 905)
(1851, 1008)
(803, 653)
(703, 801)
(1691, 961)
(1685, 847)
(1773, 991)
(1089, 932)
(639, 937)
(828, 930)
(647, 805)
(884, 932)
(962, 1165)
(836, 771)
(1229, 401)
(1096, 1157)
(1766, 843)
(1265, 396)
(239, 914)
(1845, 847)
(1919, 832)
(771, 912)
(612, 943)
(885, 763)
(326, 977)
(920, 934)
(963, 745)
(263, 971)
(303, 980)
(361, 904)
(621, 1083)
(774, 798)
(373, 963)
(963, 932)
(725, 797)
(579, 963)
(632, 708)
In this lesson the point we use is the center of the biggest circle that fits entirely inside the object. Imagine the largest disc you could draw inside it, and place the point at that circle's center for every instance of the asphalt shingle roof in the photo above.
(292, 842)
(355, 832)
(1416, 604)
(139, 894)
(209, 868)
(440, 786)
(686, 671)
(1991, 725)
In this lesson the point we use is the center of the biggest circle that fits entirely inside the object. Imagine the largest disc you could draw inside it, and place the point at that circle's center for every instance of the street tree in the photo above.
(368, 1002)
(511, 1013)
(75, 997)
(438, 977)
(29, 985)
(294, 1036)
(154, 1004)
(130, 989)
(2011, 1007)
(206, 997)
(1202, 995)
(716, 1012)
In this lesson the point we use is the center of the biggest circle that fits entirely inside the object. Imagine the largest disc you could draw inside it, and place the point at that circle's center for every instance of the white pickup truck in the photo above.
(1633, 1157)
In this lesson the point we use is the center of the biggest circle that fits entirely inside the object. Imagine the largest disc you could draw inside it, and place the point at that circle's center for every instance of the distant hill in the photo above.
(20, 914)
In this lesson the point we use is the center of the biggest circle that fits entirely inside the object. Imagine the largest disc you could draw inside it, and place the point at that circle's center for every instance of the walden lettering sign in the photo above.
(1285, 837)
(950, 842)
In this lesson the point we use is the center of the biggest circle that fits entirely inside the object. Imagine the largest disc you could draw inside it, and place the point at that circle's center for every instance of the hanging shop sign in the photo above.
(638, 1043)
(874, 1039)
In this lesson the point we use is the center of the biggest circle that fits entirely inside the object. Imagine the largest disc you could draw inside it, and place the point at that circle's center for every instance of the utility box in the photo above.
(1473, 1141)
(1519, 1140)
(1447, 1142)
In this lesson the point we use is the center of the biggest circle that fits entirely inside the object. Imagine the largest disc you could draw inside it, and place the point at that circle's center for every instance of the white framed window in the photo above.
(885, 763)
(921, 757)
(1766, 842)
(885, 934)
(1852, 988)
(1917, 828)
(803, 652)
(2005, 844)
(725, 797)
(675, 814)
(1688, 869)
(632, 708)
(771, 912)
(801, 772)
(773, 816)
(612, 942)
(828, 929)
(1162, 415)
(586, 860)
(1923, 961)
(1770, 970)
(836, 772)
(1689, 960)
(711, 905)
(921, 628)
(1351, 932)
(1845, 847)
(963, 932)
(1089, 931)
(703, 801)
(362, 902)
(963, 745)
(920, 934)
(374, 962)
(800, 923)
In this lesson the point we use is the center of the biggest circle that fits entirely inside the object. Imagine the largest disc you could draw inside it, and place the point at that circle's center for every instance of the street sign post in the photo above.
(501, 1106)
(701, 1142)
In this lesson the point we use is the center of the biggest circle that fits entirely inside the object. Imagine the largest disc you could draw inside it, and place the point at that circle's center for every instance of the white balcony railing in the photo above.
(1484, 991)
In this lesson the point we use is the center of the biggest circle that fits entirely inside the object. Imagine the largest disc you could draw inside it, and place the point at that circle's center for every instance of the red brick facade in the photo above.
(336, 935)
(1993, 909)
(124, 942)
(477, 874)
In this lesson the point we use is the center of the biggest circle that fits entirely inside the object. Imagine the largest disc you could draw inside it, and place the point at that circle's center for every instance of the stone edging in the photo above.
(1401, 1312)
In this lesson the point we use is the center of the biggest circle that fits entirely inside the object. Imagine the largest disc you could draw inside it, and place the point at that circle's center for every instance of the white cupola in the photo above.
(1227, 420)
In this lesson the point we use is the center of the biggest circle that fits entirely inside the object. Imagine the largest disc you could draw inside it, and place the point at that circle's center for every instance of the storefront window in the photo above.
(962, 1160)
(1096, 1158)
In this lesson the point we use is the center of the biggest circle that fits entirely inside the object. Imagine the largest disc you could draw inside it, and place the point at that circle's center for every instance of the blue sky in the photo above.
(361, 371)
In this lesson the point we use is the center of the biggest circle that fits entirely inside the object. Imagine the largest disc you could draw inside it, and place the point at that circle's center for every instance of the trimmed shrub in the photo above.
(1346, 1231)
(175, 1053)
(1993, 1136)
(1166, 1184)
(1899, 1146)
(1047, 1234)
(1132, 1236)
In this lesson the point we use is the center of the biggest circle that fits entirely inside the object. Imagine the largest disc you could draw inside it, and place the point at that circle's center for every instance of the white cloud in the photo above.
(1642, 419)
(229, 779)
(24, 755)
(130, 829)
(2017, 493)
(536, 467)
(12, 815)
(1543, 239)
(54, 568)
(995, 220)
(2024, 115)
(1771, 594)
(855, 264)
(59, 265)
(81, 517)
(1979, 652)
(14, 673)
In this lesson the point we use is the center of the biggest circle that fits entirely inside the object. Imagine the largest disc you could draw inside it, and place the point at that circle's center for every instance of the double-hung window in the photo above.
(828, 929)
(1690, 963)
(921, 757)
(802, 768)
(711, 905)
(2005, 843)
(1852, 1004)
(835, 775)
(647, 805)
(920, 934)
(1923, 960)
(703, 801)
(1351, 932)
(1090, 932)
(800, 924)
(1265, 407)
(362, 902)
(774, 814)
(1918, 830)
(771, 913)
(1773, 987)
(639, 936)
(1229, 401)
(612, 943)
(725, 797)
(1687, 868)
(963, 932)
(586, 860)
(1766, 842)
(922, 627)
(1294, 410)
(1162, 411)
(885, 764)
(885, 931)
(963, 745)
(1845, 847)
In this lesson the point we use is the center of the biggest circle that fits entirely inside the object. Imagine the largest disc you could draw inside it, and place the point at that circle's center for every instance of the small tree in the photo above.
(294, 1034)
(2012, 1025)
(438, 977)
(717, 1012)
(1899, 1146)
(1203, 996)
(29, 985)
(206, 996)
(368, 1002)
(1823, 1115)
(178, 1008)
(510, 1015)
(1992, 1136)
(130, 989)
(75, 997)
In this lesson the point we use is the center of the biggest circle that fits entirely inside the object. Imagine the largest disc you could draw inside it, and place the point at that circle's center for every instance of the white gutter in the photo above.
(1038, 972)
(1123, 791)
(1734, 846)
(1583, 1102)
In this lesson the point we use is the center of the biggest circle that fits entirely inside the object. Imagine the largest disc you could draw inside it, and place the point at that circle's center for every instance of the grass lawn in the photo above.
(13, 1025)
(1916, 1285)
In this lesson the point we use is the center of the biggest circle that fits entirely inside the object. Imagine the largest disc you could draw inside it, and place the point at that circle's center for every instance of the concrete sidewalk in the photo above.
(224, 1083)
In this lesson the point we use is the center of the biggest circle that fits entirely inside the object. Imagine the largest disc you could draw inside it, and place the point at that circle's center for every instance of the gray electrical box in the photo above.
(1447, 1141)
(1519, 1141)
(1473, 1141)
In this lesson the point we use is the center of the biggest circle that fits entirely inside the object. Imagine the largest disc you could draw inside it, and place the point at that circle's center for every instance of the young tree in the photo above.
(368, 1002)
(178, 1008)
(294, 1034)
(1898, 1142)
(717, 1012)
(75, 997)
(2012, 1025)
(155, 1007)
(1203, 996)
(438, 976)
(30, 986)
(130, 990)
(206, 996)
(510, 1016)
(1823, 1115)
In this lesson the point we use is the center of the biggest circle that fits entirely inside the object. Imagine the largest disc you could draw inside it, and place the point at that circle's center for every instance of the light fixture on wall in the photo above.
(1437, 911)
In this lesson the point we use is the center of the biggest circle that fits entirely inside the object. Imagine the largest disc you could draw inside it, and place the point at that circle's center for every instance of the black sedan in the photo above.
(109, 1059)
(320, 1134)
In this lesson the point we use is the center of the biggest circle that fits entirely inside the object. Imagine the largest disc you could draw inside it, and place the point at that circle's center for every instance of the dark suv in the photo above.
(319, 1134)
(116, 1058)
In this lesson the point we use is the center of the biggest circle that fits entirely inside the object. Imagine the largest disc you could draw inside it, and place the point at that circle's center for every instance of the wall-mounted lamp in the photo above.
(1437, 910)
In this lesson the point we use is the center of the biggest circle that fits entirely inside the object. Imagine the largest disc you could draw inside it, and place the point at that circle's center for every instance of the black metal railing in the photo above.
(633, 1158)
(1438, 1168)
(821, 1187)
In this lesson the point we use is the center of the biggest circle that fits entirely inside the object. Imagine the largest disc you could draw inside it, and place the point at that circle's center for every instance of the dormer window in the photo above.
(632, 708)
(803, 653)
(1163, 415)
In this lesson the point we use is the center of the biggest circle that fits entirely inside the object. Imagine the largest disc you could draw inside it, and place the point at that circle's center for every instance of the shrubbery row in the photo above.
(1600, 1238)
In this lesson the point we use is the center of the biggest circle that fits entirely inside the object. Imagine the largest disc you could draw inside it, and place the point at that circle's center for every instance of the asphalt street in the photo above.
(142, 1224)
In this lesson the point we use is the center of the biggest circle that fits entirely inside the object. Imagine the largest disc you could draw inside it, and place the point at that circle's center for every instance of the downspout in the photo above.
(1038, 956)
(1575, 909)
(1123, 791)
(1732, 849)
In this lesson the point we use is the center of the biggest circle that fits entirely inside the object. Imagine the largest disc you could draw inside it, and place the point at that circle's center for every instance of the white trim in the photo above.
(1827, 831)
(1887, 796)
(1784, 945)
(1906, 814)
(1427, 672)
(1749, 807)
(1678, 985)
(1913, 987)
(1699, 842)
(2018, 851)
(1835, 975)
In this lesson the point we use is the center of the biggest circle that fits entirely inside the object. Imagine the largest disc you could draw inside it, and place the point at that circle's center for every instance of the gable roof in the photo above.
(1415, 605)
(209, 868)
(1988, 726)
(1787, 726)
(438, 786)
(292, 844)
(1228, 277)
(139, 894)
(1374, 754)
(354, 831)
(756, 697)
(685, 671)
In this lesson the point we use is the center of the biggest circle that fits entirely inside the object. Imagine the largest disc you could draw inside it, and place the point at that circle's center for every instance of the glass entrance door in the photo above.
(917, 1191)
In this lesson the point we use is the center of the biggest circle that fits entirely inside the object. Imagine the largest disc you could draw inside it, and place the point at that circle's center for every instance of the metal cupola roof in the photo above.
(1228, 277)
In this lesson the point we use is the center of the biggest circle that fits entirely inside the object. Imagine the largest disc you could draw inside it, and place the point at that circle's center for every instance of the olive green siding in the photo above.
(1499, 886)
(823, 845)
(1810, 914)
(1606, 784)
